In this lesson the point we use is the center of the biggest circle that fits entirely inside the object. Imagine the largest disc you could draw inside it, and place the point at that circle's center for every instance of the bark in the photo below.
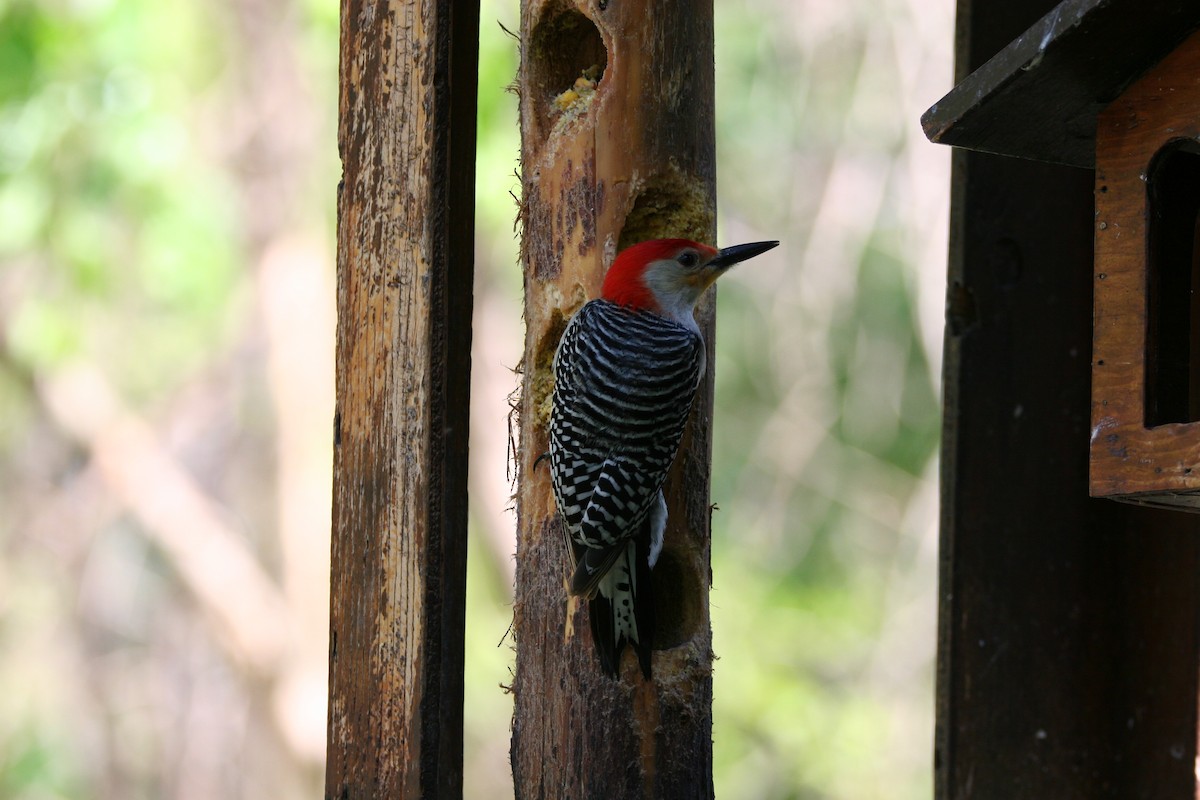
(405, 230)
(607, 163)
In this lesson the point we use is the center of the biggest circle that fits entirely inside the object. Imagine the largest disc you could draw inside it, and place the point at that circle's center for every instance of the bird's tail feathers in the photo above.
(622, 609)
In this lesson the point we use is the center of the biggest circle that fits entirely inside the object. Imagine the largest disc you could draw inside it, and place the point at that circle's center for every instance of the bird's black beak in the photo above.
(728, 256)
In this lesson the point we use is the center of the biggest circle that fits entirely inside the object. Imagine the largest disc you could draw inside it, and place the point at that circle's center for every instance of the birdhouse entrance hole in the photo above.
(1173, 312)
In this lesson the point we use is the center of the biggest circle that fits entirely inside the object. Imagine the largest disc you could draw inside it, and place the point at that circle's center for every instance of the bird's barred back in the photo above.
(624, 384)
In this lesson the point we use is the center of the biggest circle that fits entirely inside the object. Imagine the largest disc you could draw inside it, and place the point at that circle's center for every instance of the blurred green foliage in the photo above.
(112, 207)
(826, 416)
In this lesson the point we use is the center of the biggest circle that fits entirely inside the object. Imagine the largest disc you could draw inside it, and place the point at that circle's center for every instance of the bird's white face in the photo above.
(678, 283)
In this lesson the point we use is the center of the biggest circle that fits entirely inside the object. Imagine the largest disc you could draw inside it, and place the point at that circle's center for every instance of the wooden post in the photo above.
(617, 147)
(405, 230)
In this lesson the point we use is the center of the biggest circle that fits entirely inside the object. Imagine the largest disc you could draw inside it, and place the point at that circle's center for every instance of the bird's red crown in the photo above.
(624, 285)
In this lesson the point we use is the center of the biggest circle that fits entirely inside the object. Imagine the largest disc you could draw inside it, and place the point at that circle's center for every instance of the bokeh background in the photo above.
(167, 191)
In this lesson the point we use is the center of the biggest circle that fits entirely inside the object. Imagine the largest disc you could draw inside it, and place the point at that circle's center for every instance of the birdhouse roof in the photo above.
(1038, 97)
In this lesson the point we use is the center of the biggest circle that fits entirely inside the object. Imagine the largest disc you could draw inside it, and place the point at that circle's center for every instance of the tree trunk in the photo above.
(405, 230)
(607, 163)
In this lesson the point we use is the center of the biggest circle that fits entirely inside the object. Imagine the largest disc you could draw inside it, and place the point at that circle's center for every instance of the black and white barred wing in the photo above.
(624, 384)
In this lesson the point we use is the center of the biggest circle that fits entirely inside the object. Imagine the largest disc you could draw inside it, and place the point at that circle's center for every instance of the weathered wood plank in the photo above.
(405, 234)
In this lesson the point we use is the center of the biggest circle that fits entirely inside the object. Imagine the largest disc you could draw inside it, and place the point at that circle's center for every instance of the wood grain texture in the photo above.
(632, 161)
(1160, 464)
(405, 229)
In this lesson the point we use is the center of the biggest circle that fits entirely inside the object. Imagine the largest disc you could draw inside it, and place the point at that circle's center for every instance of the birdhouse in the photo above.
(1145, 441)
(1114, 86)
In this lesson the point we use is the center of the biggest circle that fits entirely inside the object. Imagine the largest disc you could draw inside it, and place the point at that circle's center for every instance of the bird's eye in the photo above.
(688, 258)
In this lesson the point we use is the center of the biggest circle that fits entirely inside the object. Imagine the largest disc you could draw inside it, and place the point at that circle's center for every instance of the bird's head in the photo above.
(667, 276)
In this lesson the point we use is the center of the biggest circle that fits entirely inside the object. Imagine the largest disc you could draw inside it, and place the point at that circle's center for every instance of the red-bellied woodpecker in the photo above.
(625, 373)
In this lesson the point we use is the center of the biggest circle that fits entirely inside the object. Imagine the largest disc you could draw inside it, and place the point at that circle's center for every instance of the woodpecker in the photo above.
(625, 373)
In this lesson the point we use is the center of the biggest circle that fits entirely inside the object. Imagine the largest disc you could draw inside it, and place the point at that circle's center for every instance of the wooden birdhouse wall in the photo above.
(1145, 437)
